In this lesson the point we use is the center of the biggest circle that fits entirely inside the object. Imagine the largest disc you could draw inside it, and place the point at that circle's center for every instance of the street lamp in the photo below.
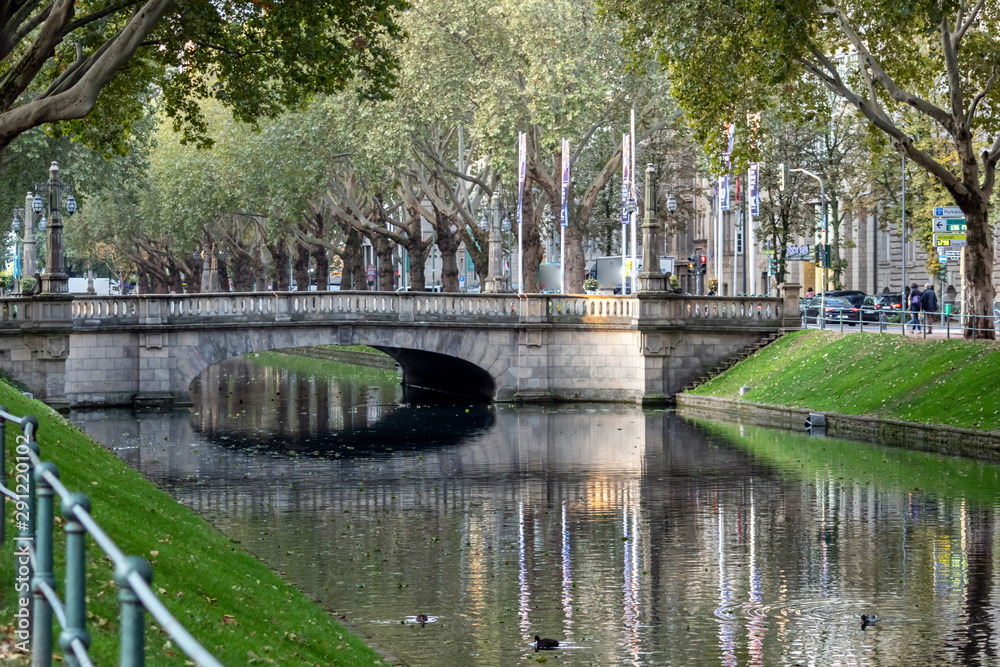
(55, 280)
(671, 203)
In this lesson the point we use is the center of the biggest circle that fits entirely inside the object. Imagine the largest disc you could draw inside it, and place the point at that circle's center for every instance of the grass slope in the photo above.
(232, 603)
(952, 383)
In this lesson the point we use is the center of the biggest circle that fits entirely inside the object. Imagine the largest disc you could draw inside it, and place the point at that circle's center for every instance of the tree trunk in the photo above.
(242, 273)
(279, 268)
(447, 242)
(301, 268)
(353, 274)
(322, 257)
(532, 242)
(418, 252)
(223, 269)
(978, 272)
(385, 280)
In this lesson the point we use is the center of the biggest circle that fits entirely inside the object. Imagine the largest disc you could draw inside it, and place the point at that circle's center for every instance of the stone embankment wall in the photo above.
(911, 435)
(343, 356)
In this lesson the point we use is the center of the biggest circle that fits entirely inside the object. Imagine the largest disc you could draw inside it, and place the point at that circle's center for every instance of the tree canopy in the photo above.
(890, 61)
(256, 57)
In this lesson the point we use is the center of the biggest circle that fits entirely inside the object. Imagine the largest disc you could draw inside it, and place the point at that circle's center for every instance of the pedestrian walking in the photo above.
(929, 305)
(915, 295)
(810, 293)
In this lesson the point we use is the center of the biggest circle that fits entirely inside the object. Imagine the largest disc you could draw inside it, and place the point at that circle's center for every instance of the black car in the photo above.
(837, 309)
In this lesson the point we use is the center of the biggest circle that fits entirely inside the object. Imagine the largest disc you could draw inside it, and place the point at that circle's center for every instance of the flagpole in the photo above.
(565, 216)
(522, 146)
(625, 214)
(633, 215)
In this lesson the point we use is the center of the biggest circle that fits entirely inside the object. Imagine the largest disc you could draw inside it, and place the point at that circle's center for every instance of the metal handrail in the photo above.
(132, 574)
(945, 321)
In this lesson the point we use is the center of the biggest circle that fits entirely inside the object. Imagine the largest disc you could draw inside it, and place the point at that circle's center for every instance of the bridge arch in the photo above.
(466, 362)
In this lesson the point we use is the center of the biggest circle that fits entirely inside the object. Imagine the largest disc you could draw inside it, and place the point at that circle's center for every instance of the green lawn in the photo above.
(232, 603)
(954, 383)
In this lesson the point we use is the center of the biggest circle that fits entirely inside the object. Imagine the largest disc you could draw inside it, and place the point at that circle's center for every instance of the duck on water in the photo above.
(545, 644)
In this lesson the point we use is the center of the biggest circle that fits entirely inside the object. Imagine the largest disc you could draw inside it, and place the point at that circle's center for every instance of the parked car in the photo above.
(804, 304)
(837, 309)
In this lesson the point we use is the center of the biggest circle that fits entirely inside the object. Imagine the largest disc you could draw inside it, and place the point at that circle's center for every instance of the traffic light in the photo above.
(817, 257)
(782, 176)
(772, 267)
(702, 265)
(691, 261)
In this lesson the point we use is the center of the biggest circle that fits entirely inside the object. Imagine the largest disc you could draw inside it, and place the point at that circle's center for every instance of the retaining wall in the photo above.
(910, 435)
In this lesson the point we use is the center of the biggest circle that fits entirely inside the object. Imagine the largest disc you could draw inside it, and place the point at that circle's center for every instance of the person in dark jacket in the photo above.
(929, 305)
(914, 307)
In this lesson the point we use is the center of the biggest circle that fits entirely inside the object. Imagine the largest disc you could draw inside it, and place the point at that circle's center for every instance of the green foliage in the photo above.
(590, 284)
(27, 284)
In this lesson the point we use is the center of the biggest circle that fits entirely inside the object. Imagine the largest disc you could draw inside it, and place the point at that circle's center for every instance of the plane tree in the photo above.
(940, 60)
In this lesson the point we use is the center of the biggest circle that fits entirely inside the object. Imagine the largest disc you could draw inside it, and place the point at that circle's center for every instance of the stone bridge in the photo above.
(140, 350)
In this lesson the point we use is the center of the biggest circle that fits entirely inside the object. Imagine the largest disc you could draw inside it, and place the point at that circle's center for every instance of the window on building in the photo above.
(739, 241)
(883, 245)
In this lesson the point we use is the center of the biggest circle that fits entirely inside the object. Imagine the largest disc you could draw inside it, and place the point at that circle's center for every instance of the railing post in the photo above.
(26, 528)
(76, 579)
(41, 631)
(133, 638)
(3, 473)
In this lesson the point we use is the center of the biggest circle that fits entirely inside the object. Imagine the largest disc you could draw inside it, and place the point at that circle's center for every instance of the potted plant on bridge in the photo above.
(590, 285)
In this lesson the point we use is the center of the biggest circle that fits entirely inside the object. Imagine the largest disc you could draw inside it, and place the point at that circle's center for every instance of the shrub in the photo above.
(590, 284)
(27, 284)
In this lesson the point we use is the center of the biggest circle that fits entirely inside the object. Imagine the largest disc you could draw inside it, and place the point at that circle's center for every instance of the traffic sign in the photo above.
(370, 274)
(948, 212)
(950, 240)
(946, 252)
(949, 224)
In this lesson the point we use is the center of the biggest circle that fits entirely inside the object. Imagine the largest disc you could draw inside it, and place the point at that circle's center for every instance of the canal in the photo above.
(634, 537)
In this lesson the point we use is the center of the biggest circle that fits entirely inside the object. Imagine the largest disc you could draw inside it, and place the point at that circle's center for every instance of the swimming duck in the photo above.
(422, 619)
(868, 619)
(545, 644)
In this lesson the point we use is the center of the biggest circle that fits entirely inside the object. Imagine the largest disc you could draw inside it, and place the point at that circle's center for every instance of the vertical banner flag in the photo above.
(724, 180)
(565, 182)
(522, 157)
(626, 176)
(754, 183)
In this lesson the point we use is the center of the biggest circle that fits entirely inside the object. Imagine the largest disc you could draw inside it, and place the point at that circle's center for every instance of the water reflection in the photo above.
(634, 537)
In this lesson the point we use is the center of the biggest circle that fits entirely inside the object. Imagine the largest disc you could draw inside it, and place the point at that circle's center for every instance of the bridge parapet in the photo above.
(278, 307)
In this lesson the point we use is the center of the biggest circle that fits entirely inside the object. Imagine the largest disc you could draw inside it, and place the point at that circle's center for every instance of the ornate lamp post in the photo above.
(651, 279)
(495, 282)
(54, 280)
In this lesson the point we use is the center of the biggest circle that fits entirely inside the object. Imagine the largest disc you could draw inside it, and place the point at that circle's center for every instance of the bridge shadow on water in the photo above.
(315, 423)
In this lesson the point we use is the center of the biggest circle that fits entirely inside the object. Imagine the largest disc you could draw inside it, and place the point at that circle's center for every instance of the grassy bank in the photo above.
(952, 383)
(232, 603)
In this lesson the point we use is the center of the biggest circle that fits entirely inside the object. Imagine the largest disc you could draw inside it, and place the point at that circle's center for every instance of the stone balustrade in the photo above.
(733, 308)
(276, 307)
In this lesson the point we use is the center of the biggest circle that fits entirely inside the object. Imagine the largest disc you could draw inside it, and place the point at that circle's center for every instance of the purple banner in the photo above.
(565, 182)
(753, 177)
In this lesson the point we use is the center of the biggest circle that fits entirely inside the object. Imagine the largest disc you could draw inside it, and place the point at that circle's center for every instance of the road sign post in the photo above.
(370, 275)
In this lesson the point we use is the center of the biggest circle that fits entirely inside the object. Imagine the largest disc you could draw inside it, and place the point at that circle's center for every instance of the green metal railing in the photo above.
(35, 487)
